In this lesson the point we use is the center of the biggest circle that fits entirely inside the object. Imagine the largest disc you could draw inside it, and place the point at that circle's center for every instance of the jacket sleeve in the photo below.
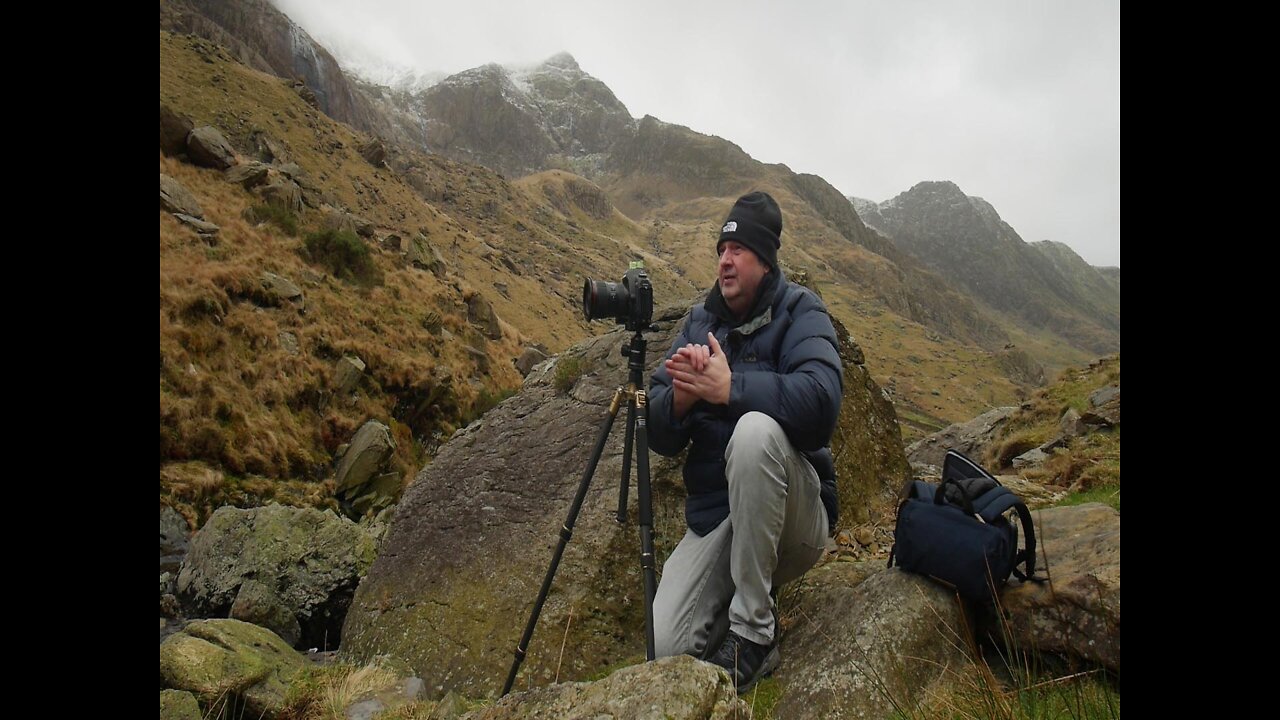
(804, 394)
(667, 435)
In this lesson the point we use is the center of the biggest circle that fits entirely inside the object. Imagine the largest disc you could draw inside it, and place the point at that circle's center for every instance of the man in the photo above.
(754, 382)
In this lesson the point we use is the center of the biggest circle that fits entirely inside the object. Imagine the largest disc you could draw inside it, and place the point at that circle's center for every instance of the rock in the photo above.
(1104, 407)
(226, 661)
(530, 357)
(175, 198)
(868, 641)
(432, 322)
(970, 438)
(175, 536)
(1078, 613)
(311, 560)
(480, 358)
(375, 152)
(1032, 457)
(288, 342)
(346, 374)
(269, 150)
(674, 688)
(204, 229)
(261, 605)
(422, 254)
(342, 220)
(379, 494)
(174, 129)
(388, 699)
(179, 704)
(480, 312)
(207, 147)
(865, 536)
(279, 290)
(248, 175)
(370, 449)
(442, 600)
(1071, 425)
(284, 193)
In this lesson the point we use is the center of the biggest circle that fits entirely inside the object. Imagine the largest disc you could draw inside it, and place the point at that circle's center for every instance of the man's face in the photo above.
(740, 271)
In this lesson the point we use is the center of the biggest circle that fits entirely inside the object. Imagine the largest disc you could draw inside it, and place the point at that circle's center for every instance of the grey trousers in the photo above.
(776, 530)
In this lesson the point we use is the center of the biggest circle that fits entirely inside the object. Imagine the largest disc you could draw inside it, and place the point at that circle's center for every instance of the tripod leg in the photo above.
(566, 532)
(647, 560)
(628, 443)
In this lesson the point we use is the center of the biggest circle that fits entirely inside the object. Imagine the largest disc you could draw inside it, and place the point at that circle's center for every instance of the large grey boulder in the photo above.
(207, 147)
(472, 536)
(674, 688)
(1076, 613)
(866, 642)
(309, 562)
(228, 662)
(970, 438)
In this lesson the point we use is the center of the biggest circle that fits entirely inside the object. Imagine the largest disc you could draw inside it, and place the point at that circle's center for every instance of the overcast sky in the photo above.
(1016, 102)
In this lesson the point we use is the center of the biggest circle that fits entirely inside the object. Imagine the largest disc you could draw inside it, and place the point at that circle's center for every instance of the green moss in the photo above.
(344, 254)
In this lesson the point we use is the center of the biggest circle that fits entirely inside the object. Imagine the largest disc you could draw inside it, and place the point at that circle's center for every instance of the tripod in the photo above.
(636, 439)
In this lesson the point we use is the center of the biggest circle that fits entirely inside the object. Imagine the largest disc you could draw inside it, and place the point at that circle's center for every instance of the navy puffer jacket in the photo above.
(785, 365)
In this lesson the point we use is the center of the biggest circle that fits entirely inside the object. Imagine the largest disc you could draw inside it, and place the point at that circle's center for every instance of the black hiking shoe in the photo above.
(746, 661)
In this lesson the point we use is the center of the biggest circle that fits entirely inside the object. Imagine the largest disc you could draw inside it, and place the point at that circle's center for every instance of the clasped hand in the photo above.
(699, 372)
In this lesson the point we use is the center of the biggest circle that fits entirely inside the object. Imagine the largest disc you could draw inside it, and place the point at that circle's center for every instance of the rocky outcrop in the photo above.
(970, 438)
(441, 598)
(277, 565)
(1077, 612)
(264, 38)
(230, 664)
(867, 642)
(674, 688)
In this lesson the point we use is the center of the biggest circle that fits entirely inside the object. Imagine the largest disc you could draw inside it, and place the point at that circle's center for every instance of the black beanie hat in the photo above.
(756, 222)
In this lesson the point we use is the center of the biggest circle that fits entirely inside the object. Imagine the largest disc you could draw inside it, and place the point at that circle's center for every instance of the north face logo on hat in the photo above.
(730, 226)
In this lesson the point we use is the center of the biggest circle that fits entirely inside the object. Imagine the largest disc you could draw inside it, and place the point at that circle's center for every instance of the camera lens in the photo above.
(601, 299)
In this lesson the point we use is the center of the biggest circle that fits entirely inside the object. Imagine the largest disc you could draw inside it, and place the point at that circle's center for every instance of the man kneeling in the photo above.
(759, 402)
